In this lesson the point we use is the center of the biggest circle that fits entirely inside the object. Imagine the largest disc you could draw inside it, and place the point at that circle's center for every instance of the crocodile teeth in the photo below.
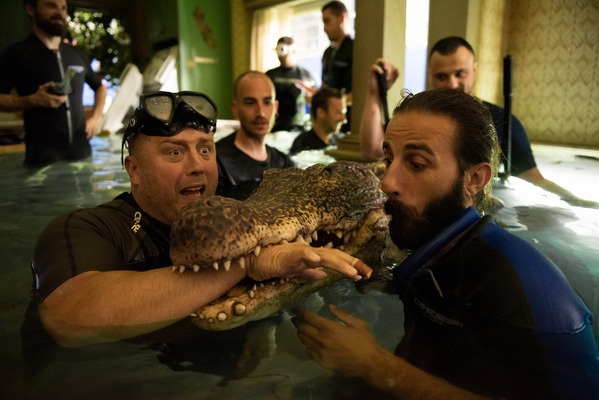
(227, 265)
(329, 245)
(314, 235)
(181, 268)
(193, 315)
(221, 316)
(339, 234)
(196, 268)
(241, 261)
(257, 251)
(308, 239)
(174, 268)
(300, 239)
(252, 294)
(254, 288)
(284, 241)
(239, 309)
(347, 237)
(215, 265)
(201, 316)
(282, 281)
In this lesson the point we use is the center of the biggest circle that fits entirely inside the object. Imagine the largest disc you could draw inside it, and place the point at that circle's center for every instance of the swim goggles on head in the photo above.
(167, 114)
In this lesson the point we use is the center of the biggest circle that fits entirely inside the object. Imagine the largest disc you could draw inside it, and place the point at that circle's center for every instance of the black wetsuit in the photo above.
(116, 235)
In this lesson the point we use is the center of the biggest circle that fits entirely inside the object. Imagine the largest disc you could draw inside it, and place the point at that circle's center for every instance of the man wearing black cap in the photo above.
(104, 274)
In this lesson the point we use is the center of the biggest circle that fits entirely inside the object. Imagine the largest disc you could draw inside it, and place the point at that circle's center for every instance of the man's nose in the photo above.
(391, 181)
(453, 82)
(261, 109)
(196, 162)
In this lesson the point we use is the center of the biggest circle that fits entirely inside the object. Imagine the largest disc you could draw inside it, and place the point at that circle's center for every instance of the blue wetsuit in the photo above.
(489, 313)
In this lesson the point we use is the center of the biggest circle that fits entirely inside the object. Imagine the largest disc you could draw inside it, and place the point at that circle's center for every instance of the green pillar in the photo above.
(205, 50)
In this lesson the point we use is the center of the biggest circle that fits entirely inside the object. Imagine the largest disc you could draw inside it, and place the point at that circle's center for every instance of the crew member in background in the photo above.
(56, 127)
(328, 112)
(338, 57)
(294, 85)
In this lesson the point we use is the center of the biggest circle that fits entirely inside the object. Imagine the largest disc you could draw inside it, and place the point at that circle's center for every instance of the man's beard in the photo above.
(410, 230)
(50, 25)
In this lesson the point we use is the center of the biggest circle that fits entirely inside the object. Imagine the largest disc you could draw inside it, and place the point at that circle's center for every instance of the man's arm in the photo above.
(371, 127)
(95, 306)
(534, 176)
(360, 355)
(95, 119)
(42, 98)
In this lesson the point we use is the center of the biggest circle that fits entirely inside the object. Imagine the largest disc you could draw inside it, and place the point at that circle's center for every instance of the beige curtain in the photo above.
(265, 32)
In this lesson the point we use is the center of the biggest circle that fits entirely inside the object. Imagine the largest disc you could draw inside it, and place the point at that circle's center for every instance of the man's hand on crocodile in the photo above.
(300, 231)
(297, 259)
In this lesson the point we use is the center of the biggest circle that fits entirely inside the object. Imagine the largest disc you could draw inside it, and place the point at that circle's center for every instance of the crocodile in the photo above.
(338, 205)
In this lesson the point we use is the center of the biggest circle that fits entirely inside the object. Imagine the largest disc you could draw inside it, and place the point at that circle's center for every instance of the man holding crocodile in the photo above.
(486, 314)
(104, 274)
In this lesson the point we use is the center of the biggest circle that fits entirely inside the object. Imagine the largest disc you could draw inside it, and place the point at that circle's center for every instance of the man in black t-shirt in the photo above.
(244, 155)
(338, 57)
(293, 86)
(55, 125)
(327, 113)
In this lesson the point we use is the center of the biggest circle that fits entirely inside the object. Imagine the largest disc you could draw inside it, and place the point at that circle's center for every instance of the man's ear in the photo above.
(132, 169)
(320, 113)
(234, 109)
(476, 177)
(30, 10)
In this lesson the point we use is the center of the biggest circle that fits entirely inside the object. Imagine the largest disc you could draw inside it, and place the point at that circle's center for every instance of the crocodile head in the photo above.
(338, 205)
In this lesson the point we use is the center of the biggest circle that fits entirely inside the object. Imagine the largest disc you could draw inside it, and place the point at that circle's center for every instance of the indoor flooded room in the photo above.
(299, 199)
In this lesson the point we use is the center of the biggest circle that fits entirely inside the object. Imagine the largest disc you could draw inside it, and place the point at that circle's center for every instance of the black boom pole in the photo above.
(506, 147)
